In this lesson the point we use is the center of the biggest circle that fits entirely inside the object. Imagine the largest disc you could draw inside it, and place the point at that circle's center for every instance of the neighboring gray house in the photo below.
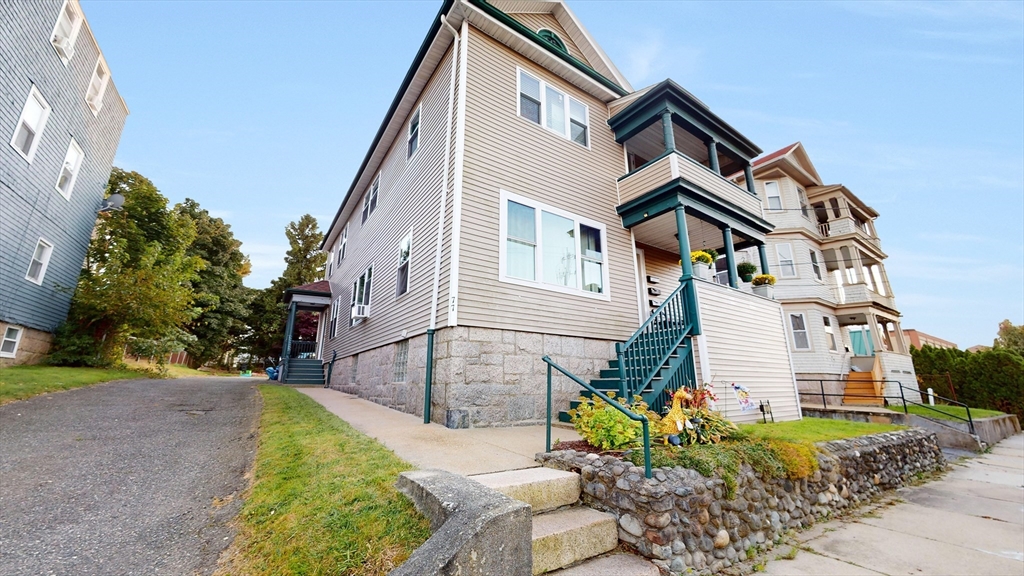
(61, 117)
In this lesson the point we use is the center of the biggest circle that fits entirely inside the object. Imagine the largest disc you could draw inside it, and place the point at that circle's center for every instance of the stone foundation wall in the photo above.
(681, 519)
(32, 349)
(811, 391)
(482, 377)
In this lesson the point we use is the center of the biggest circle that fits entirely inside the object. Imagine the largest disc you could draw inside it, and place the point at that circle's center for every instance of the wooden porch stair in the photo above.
(861, 390)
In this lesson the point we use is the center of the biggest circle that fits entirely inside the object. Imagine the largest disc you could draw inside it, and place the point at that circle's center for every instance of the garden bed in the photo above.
(741, 499)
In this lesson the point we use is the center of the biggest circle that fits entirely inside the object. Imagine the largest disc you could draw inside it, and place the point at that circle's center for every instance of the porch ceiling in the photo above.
(660, 232)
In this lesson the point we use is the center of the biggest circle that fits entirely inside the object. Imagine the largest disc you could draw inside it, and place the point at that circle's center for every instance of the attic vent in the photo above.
(552, 38)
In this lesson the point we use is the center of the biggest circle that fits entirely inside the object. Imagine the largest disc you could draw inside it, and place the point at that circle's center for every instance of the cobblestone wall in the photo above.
(683, 520)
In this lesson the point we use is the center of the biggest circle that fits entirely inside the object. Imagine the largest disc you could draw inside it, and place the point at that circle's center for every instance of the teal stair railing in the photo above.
(659, 357)
(629, 413)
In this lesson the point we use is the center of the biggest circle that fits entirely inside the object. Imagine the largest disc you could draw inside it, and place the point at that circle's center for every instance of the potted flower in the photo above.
(701, 264)
(746, 270)
(764, 285)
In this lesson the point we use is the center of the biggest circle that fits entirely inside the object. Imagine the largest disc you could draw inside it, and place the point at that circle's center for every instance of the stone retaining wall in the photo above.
(681, 519)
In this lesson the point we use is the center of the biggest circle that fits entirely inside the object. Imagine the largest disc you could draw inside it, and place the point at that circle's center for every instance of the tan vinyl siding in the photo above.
(747, 344)
(819, 359)
(506, 152)
(408, 197)
(805, 284)
(790, 216)
(645, 180)
(537, 21)
(718, 186)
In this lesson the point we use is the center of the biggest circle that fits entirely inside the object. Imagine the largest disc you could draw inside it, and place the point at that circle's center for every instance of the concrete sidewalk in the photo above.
(969, 522)
(467, 452)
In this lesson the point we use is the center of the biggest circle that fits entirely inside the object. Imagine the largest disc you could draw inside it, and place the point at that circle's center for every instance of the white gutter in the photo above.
(444, 175)
(460, 157)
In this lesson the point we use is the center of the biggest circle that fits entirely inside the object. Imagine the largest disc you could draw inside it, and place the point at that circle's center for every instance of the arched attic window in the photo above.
(552, 38)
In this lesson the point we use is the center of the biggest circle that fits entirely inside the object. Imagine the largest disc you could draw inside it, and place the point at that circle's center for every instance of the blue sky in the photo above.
(262, 111)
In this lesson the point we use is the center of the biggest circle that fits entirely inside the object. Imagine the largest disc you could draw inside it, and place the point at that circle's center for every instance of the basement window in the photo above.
(9, 346)
(400, 369)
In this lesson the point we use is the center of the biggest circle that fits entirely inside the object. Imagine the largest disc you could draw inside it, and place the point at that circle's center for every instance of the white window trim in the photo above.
(330, 265)
(767, 197)
(17, 341)
(792, 332)
(543, 111)
(398, 264)
(538, 253)
(76, 27)
(344, 244)
(46, 262)
(370, 204)
(418, 113)
(98, 105)
(804, 202)
(32, 93)
(367, 293)
(830, 329)
(74, 175)
(792, 258)
(817, 259)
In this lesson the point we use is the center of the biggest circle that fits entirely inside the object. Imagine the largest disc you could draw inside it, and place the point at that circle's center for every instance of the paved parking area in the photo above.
(133, 477)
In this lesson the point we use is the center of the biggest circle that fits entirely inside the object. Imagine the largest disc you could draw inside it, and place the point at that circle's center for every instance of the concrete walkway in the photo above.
(467, 452)
(969, 522)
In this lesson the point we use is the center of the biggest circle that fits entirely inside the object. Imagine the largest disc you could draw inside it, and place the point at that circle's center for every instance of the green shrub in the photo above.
(992, 379)
(605, 427)
(746, 268)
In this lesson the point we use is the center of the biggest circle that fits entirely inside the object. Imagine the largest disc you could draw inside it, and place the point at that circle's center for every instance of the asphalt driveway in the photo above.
(135, 477)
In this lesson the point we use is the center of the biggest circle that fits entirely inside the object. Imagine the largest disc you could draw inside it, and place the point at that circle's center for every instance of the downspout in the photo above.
(429, 380)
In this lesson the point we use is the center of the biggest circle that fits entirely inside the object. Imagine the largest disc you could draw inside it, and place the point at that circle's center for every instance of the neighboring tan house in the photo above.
(62, 118)
(918, 339)
(519, 200)
(842, 321)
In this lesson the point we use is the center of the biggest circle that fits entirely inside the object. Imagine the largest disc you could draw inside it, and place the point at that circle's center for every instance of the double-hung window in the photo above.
(799, 325)
(543, 104)
(413, 138)
(804, 204)
(549, 248)
(334, 316)
(370, 200)
(97, 86)
(404, 258)
(361, 297)
(814, 265)
(771, 191)
(69, 170)
(830, 335)
(787, 266)
(65, 31)
(330, 265)
(344, 244)
(30, 124)
(40, 260)
(9, 346)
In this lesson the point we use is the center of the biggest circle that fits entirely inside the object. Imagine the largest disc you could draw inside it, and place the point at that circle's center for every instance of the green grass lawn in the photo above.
(20, 382)
(949, 412)
(815, 429)
(323, 499)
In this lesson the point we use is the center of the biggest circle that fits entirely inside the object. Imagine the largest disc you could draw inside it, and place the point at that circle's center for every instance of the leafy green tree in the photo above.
(1010, 337)
(137, 278)
(219, 294)
(268, 316)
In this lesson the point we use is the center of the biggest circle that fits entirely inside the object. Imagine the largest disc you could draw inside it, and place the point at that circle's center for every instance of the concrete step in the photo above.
(615, 564)
(564, 537)
(542, 488)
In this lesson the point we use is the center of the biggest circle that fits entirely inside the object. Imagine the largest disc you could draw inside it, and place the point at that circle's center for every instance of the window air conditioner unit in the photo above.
(63, 46)
(360, 311)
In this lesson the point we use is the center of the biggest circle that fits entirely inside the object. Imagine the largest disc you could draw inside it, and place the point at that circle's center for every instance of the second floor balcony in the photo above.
(841, 216)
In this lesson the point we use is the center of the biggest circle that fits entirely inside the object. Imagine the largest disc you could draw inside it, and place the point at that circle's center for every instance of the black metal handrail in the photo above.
(629, 413)
(330, 369)
(302, 349)
(902, 398)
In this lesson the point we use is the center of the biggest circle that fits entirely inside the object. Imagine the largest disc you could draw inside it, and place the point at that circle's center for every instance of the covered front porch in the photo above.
(300, 352)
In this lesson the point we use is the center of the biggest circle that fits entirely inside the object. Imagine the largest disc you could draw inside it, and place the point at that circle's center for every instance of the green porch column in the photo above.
(667, 133)
(748, 175)
(286, 350)
(684, 244)
(713, 156)
(763, 254)
(730, 256)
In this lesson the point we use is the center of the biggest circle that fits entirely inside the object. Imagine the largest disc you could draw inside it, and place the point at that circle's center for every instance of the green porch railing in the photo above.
(629, 413)
(656, 346)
